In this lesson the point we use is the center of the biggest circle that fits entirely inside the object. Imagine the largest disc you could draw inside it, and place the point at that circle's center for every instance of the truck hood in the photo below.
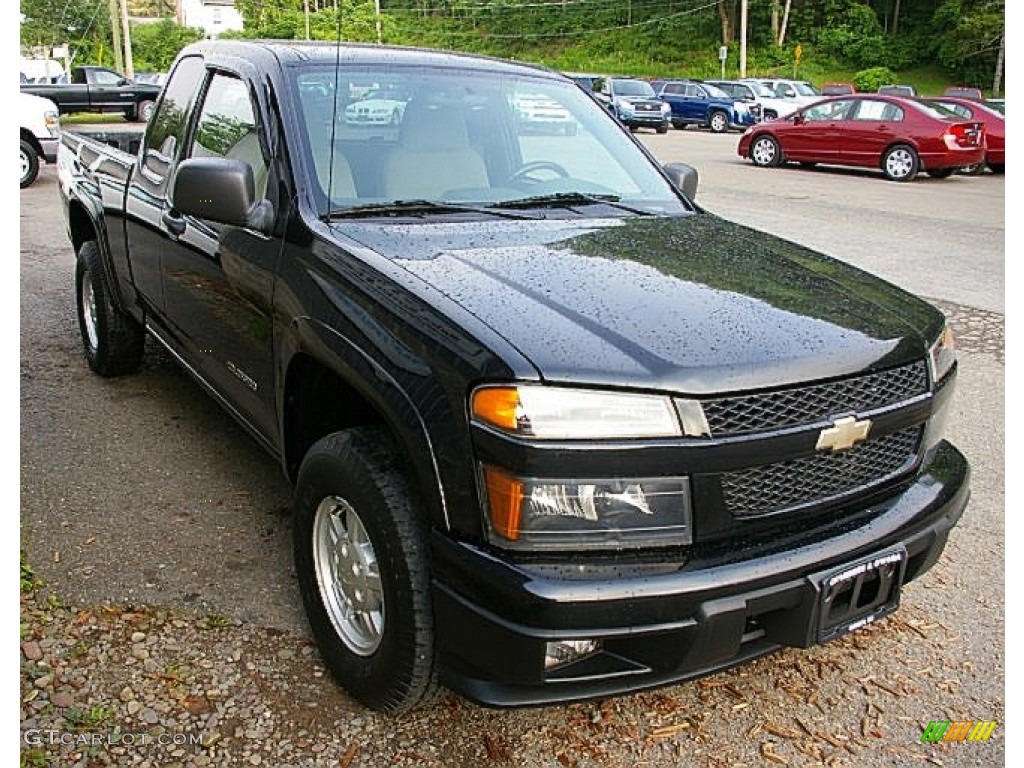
(691, 304)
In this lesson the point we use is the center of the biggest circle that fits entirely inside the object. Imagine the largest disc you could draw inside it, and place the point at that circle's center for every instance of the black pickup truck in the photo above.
(98, 89)
(555, 431)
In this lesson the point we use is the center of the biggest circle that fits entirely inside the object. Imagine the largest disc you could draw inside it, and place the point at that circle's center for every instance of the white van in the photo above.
(40, 135)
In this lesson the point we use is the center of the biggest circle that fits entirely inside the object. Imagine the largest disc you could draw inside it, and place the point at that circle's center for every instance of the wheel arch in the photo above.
(329, 384)
(27, 135)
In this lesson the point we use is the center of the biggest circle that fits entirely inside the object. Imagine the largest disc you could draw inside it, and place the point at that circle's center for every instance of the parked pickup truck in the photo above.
(555, 431)
(98, 89)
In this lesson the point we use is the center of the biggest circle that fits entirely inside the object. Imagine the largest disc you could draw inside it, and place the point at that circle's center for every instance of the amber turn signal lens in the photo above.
(497, 406)
(505, 502)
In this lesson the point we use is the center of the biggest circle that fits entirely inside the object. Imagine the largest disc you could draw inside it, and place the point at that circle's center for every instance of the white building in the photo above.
(212, 16)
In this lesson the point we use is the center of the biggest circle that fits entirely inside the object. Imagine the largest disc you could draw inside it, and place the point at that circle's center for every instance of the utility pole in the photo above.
(129, 69)
(376, 12)
(115, 32)
(305, 5)
(743, 39)
(998, 79)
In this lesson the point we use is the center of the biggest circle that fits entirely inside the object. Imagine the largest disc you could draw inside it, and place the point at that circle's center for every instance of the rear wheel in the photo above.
(901, 163)
(113, 341)
(145, 111)
(29, 163)
(940, 173)
(362, 566)
(765, 151)
(719, 122)
(999, 168)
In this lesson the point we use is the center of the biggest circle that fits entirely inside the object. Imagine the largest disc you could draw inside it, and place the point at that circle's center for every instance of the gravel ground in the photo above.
(169, 635)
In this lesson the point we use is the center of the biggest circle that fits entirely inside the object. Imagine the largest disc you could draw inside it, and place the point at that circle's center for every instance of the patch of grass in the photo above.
(92, 718)
(33, 758)
(216, 621)
(29, 581)
(92, 117)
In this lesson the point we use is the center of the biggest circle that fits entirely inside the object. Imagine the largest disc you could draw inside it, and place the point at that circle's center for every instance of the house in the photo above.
(212, 16)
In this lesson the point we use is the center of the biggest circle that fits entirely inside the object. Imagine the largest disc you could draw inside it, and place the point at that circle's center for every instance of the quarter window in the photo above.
(166, 129)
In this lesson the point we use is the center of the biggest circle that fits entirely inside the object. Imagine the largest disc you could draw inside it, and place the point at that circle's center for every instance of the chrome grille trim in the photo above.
(795, 406)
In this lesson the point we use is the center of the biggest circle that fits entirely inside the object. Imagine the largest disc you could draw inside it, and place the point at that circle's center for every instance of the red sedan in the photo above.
(995, 128)
(900, 136)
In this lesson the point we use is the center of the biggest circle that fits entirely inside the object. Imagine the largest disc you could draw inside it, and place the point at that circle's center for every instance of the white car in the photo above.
(536, 112)
(40, 135)
(379, 107)
(798, 93)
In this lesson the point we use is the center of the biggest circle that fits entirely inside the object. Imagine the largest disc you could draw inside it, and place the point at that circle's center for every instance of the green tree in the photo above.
(82, 24)
(155, 45)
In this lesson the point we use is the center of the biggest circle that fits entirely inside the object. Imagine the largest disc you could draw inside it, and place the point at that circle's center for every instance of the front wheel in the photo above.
(900, 163)
(719, 122)
(145, 111)
(765, 151)
(362, 566)
(113, 342)
(29, 163)
(662, 129)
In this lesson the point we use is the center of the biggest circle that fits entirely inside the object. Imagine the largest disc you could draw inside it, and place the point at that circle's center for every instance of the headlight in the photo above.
(556, 413)
(526, 513)
(942, 355)
(52, 120)
(665, 109)
(624, 105)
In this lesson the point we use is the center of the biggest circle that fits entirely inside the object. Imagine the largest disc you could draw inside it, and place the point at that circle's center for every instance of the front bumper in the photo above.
(666, 621)
(49, 147)
(642, 120)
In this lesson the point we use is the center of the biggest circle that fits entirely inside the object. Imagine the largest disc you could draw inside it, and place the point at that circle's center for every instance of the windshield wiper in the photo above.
(414, 207)
(569, 199)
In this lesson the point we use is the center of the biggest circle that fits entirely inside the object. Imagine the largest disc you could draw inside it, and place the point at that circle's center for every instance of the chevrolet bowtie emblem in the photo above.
(843, 434)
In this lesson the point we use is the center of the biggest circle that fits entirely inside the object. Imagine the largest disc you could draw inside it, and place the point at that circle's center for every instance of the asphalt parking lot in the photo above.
(139, 494)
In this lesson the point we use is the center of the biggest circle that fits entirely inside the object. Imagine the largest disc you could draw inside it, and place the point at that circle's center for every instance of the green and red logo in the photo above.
(958, 730)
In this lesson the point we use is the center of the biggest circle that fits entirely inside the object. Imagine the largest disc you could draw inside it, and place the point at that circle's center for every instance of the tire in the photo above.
(718, 122)
(941, 173)
(113, 342)
(900, 163)
(144, 111)
(375, 630)
(29, 163)
(997, 168)
(765, 151)
(662, 129)
(131, 115)
(972, 170)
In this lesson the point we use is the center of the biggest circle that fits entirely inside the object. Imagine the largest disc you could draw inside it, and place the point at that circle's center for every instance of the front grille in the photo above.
(815, 403)
(774, 488)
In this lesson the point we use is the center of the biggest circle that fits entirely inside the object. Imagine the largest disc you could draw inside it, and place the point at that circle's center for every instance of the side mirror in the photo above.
(798, 118)
(684, 177)
(219, 189)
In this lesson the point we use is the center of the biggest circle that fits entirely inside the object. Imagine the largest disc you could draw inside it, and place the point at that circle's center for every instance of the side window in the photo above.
(828, 111)
(673, 88)
(878, 110)
(166, 128)
(105, 77)
(227, 128)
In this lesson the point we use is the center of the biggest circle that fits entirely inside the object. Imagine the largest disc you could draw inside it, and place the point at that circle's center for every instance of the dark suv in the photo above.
(634, 102)
(696, 103)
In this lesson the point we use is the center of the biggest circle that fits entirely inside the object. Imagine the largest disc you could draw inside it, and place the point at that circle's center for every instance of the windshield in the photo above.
(805, 89)
(462, 138)
(761, 90)
(633, 88)
(714, 90)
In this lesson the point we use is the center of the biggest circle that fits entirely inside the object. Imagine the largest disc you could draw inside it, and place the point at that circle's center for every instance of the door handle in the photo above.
(175, 224)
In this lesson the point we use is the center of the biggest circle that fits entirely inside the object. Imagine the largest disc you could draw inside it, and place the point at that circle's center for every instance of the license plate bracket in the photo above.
(857, 594)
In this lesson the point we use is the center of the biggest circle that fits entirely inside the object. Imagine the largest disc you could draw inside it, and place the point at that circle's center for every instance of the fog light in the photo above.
(562, 652)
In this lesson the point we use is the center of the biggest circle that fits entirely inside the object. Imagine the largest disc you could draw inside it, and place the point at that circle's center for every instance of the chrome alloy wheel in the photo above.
(89, 311)
(26, 165)
(348, 575)
(899, 163)
(764, 150)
